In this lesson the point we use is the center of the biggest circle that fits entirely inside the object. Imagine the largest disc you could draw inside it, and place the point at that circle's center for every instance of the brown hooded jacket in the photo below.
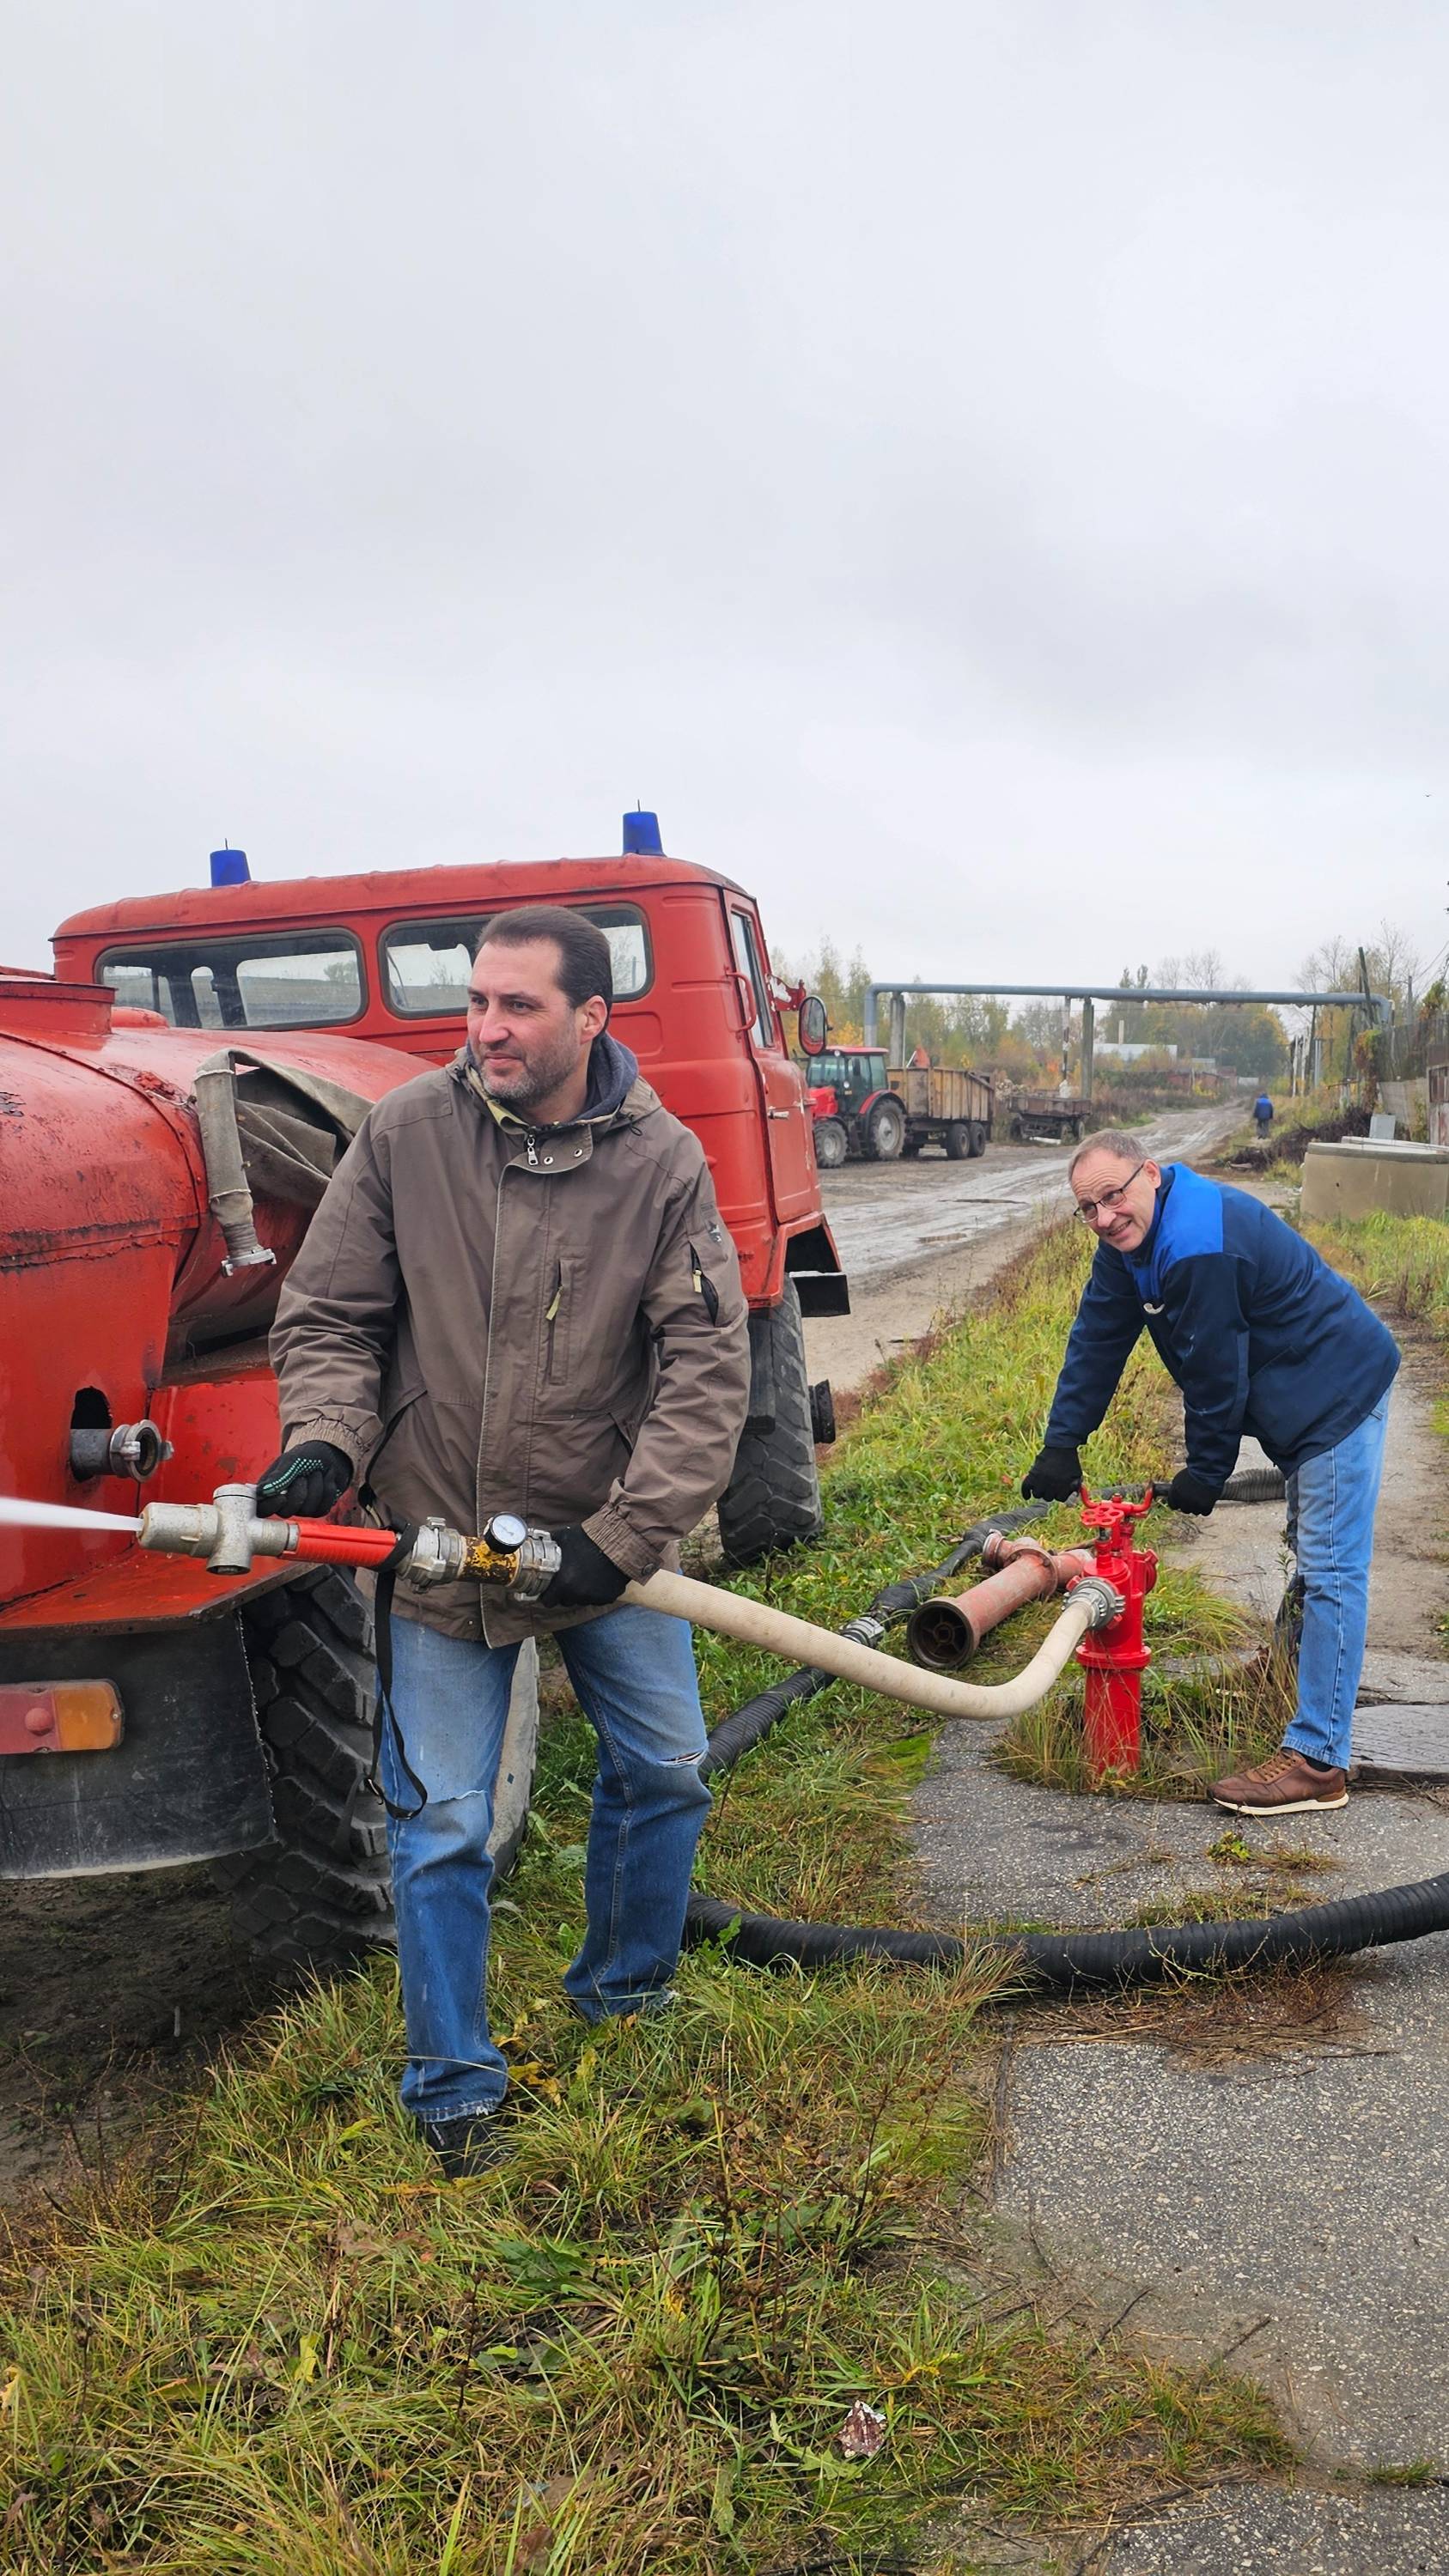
(487, 1317)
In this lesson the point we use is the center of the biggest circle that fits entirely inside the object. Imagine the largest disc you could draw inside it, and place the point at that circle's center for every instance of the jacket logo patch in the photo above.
(1150, 1310)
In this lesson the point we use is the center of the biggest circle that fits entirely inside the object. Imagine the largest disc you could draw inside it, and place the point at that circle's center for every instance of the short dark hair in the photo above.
(585, 962)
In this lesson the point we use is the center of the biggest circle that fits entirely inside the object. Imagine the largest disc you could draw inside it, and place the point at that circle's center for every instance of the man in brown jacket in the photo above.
(517, 1296)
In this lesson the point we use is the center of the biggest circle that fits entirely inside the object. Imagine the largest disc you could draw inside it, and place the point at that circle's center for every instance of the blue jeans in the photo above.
(1331, 1532)
(633, 1674)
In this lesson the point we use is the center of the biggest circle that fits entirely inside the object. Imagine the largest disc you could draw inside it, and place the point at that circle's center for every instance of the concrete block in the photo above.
(1363, 1174)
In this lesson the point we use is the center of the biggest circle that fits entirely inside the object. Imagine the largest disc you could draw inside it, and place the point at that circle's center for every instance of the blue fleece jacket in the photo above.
(1261, 1336)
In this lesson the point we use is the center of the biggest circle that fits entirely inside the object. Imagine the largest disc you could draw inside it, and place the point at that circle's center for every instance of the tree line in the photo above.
(1024, 1043)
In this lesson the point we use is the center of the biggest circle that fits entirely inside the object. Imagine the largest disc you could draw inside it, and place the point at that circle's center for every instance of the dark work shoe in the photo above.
(1287, 1784)
(468, 2146)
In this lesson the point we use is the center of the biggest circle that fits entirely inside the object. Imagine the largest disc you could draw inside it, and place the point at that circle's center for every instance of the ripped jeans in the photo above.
(634, 1677)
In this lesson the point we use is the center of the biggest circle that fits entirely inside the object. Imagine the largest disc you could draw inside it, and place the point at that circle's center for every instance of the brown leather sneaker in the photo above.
(1284, 1785)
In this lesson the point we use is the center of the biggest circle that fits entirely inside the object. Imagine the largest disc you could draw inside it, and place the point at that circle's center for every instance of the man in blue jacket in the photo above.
(1263, 1338)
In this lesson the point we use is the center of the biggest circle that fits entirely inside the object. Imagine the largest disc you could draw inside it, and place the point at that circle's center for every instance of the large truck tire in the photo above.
(885, 1131)
(978, 1138)
(321, 1892)
(830, 1144)
(773, 1498)
(958, 1141)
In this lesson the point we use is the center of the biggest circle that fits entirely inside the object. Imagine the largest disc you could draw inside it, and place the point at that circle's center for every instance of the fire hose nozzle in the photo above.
(226, 1531)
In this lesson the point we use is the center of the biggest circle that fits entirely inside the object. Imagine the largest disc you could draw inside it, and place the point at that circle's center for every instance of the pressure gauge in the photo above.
(506, 1532)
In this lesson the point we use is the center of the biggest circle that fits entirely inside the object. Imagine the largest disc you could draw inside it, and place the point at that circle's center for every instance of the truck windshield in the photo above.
(426, 964)
(308, 979)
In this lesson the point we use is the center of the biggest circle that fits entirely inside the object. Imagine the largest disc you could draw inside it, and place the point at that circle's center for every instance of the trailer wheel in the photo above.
(773, 1497)
(958, 1141)
(322, 1891)
(978, 1139)
(829, 1144)
(885, 1131)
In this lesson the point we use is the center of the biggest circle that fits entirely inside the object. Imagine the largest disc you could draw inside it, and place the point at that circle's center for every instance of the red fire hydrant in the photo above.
(1114, 1658)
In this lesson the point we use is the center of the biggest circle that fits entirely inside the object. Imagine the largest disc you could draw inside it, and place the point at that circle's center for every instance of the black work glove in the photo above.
(1053, 1476)
(304, 1482)
(586, 1579)
(1190, 1493)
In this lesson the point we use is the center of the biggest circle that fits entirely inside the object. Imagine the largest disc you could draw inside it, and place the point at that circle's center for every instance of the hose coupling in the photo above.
(133, 1449)
(505, 1552)
(1105, 1604)
(438, 1555)
(864, 1631)
(537, 1559)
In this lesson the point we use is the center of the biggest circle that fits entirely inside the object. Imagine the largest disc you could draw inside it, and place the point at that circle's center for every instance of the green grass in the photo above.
(1400, 1262)
(271, 2342)
(1195, 1729)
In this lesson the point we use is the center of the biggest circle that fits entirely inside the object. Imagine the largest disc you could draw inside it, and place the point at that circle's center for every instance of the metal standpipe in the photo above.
(1115, 1658)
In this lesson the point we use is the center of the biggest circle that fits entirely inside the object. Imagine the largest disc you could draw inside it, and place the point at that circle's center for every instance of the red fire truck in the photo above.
(170, 1106)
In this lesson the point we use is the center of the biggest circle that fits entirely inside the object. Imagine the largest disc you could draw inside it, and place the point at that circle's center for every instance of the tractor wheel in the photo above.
(978, 1139)
(886, 1132)
(322, 1891)
(958, 1141)
(829, 1144)
(773, 1497)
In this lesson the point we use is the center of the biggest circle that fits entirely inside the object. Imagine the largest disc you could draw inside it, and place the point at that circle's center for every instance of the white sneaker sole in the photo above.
(1283, 1806)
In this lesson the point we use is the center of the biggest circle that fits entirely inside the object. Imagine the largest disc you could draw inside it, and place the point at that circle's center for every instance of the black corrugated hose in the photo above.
(1047, 1962)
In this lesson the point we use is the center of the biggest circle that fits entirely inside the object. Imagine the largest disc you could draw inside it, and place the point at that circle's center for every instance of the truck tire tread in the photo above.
(773, 1497)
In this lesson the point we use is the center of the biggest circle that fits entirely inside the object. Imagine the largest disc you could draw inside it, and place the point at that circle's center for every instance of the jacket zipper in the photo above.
(704, 1286)
(550, 1316)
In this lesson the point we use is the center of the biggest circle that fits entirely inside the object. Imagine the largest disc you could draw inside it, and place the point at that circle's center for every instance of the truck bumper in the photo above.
(187, 1781)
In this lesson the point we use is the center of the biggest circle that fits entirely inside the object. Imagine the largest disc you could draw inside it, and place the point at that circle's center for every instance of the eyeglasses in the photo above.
(1090, 1209)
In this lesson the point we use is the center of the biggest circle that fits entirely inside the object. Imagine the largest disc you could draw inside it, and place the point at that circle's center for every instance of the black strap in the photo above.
(384, 1714)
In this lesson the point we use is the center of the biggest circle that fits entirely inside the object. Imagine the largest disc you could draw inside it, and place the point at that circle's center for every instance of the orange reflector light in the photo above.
(59, 1717)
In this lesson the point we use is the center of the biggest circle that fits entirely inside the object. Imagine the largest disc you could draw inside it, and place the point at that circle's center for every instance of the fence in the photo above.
(1401, 1051)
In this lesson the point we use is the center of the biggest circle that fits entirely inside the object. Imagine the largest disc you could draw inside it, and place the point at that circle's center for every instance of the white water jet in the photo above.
(15, 1514)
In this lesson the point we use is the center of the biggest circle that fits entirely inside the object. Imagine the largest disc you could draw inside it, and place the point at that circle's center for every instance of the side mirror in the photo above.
(814, 1028)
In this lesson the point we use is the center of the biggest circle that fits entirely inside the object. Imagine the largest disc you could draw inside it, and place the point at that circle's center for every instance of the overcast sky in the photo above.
(976, 466)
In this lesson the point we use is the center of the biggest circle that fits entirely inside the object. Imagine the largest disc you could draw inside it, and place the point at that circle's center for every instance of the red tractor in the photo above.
(171, 1106)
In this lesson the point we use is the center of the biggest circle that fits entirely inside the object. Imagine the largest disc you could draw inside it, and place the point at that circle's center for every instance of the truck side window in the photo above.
(747, 958)
(426, 964)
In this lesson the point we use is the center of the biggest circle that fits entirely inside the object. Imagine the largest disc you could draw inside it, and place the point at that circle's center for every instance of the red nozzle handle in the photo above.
(331, 1543)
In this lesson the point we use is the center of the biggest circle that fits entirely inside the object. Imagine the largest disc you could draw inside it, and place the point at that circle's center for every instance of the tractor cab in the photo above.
(854, 1074)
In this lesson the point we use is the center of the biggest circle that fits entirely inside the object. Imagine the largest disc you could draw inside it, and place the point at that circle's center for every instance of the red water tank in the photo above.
(114, 1291)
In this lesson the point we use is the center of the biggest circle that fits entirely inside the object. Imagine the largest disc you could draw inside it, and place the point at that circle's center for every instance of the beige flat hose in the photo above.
(752, 1623)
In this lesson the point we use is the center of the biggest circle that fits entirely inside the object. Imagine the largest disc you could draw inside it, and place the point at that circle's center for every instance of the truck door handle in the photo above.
(777, 1113)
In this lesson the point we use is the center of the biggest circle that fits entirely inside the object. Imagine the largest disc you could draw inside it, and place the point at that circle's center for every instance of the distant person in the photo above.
(1263, 1338)
(1262, 1116)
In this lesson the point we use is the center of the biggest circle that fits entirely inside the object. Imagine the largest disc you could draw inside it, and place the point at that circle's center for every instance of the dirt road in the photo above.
(918, 1238)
